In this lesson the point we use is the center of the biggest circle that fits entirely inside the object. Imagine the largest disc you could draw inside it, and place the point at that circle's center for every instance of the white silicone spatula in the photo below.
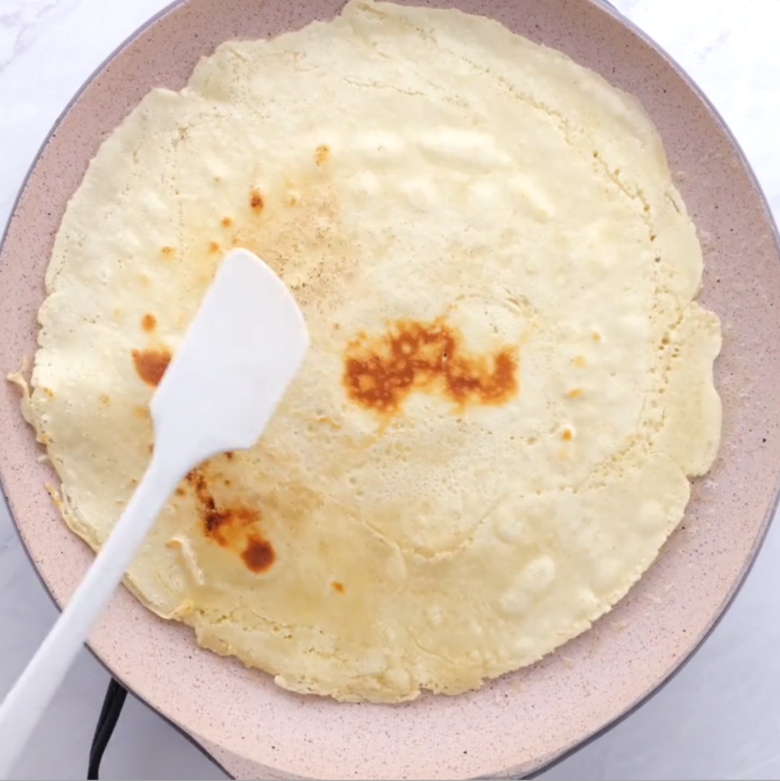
(241, 351)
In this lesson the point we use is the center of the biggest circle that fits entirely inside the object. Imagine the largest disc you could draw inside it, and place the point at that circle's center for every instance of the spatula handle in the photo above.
(26, 702)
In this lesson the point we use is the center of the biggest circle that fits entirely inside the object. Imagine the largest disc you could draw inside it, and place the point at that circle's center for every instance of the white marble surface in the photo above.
(720, 717)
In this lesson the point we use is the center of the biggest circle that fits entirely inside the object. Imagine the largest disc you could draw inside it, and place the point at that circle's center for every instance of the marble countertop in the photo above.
(718, 718)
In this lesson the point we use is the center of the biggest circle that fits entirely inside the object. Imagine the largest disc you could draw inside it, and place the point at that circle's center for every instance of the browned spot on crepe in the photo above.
(381, 371)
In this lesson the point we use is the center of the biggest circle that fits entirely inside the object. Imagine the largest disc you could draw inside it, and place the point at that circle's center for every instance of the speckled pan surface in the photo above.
(522, 721)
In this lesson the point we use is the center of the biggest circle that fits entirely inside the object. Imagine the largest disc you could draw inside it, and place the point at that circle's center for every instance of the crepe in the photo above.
(509, 381)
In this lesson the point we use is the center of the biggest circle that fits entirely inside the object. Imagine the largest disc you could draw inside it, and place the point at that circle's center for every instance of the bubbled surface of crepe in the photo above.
(509, 381)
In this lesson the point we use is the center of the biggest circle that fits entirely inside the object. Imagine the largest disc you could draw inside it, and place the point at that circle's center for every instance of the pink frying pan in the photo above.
(522, 721)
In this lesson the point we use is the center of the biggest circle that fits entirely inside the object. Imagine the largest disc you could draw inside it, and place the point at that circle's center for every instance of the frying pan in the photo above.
(522, 721)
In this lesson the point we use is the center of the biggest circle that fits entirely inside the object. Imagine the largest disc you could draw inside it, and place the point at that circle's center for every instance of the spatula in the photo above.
(242, 349)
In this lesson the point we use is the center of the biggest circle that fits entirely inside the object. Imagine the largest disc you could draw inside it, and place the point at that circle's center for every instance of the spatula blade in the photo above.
(241, 351)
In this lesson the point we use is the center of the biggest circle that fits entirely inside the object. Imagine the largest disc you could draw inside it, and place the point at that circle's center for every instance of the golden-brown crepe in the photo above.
(508, 384)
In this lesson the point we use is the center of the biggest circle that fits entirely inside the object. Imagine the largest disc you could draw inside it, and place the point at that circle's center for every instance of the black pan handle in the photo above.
(109, 715)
